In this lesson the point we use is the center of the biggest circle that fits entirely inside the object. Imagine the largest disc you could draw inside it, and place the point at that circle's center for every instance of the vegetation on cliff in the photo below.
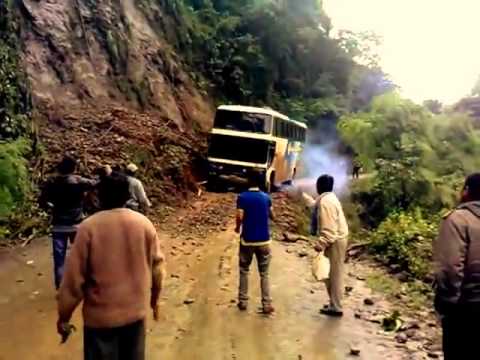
(14, 108)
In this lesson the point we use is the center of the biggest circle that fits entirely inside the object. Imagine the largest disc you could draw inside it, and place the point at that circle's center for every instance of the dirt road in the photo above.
(202, 273)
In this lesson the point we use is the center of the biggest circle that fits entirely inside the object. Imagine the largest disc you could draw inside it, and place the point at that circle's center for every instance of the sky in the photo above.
(431, 48)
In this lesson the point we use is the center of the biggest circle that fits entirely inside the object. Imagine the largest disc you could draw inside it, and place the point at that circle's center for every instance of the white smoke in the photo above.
(322, 155)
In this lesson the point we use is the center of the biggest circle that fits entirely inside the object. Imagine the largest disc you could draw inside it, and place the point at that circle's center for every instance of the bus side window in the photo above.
(278, 127)
(283, 130)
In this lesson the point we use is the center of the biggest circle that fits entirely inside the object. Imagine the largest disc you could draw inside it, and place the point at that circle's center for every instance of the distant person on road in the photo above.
(357, 167)
(63, 195)
(138, 197)
(457, 274)
(330, 225)
(254, 208)
(116, 267)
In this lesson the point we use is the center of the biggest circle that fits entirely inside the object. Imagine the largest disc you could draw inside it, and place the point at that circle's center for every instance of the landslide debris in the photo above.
(169, 158)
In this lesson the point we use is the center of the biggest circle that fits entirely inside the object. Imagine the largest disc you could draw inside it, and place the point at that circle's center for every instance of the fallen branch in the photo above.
(28, 240)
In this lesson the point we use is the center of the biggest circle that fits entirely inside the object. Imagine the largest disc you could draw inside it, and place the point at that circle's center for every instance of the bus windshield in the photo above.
(243, 121)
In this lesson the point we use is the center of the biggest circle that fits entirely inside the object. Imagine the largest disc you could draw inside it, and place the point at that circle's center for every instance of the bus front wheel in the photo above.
(212, 183)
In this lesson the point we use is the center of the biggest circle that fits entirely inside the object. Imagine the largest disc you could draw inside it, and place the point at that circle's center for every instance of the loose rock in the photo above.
(401, 338)
(369, 302)
(354, 351)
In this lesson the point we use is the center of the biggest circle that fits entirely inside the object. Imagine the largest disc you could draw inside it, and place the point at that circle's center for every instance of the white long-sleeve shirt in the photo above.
(331, 218)
(138, 194)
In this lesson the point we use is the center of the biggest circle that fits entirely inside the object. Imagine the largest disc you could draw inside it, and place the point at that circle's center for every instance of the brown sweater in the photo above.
(114, 265)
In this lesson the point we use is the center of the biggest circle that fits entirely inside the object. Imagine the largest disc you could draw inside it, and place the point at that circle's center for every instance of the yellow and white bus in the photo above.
(246, 140)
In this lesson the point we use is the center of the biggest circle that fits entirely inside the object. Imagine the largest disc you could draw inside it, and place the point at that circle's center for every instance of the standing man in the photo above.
(64, 195)
(332, 231)
(117, 268)
(138, 197)
(457, 274)
(254, 208)
(357, 166)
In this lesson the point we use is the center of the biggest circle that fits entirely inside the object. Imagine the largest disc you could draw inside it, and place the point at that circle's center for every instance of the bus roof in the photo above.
(258, 110)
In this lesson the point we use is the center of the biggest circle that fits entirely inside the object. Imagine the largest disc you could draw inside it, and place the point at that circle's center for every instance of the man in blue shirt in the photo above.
(254, 208)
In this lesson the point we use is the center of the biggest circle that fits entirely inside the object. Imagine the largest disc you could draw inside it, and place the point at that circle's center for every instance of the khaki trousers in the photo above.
(264, 256)
(335, 283)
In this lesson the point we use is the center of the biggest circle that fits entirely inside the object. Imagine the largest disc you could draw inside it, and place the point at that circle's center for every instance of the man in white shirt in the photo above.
(332, 232)
(138, 197)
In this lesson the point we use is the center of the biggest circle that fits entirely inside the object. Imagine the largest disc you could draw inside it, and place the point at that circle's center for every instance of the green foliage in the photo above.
(362, 46)
(14, 184)
(14, 100)
(419, 159)
(415, 294)
(260, 52)
(405, 238)
(435, 106)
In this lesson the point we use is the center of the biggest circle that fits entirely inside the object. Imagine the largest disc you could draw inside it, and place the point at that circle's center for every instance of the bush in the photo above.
(14, 184)
(405, 238)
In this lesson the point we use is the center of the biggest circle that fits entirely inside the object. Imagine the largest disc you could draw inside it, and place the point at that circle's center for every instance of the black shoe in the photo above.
(331, 312)
(242, 306)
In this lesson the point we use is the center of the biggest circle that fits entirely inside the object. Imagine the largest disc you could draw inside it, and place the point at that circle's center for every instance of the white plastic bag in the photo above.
(321, 267)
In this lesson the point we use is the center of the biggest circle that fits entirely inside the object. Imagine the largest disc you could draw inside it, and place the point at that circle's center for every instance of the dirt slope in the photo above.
(106, 52)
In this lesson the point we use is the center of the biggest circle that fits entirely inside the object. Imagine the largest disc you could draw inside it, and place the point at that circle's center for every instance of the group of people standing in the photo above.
(329, 226)
(117, 268)
(64, 195)
(456, 253)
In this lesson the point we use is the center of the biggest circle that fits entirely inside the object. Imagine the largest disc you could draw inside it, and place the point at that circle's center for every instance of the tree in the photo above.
(361, 46)
(476, 88)
(418, 157)
(434, 106)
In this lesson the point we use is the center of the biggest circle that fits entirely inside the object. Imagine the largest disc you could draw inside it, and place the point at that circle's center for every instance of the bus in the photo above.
(246, 140)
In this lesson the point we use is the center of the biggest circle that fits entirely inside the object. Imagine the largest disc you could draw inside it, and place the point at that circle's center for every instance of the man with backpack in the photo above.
(63, 195)
(457, 274)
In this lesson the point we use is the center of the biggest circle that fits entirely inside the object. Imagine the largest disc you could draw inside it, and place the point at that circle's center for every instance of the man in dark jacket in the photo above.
(457, 273)
(63, 195)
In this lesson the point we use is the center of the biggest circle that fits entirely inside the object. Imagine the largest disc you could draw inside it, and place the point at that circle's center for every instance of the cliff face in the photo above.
(107, 52)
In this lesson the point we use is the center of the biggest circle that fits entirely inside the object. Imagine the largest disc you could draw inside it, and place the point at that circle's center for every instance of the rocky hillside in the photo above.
(78, 52)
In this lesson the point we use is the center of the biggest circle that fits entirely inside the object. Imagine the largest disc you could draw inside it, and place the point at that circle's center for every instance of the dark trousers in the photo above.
(460, 335)
(263, 255)
(122, 343)
(60, 244)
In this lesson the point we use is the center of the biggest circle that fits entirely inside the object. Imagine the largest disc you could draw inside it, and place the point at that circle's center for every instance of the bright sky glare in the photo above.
(430, 48)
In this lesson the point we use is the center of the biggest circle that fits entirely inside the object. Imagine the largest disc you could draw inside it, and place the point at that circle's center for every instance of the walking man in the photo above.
(117, 268)
(457, 274)
(138, 197)
(330, 225)
(64, 195)
(357, 166)
(254, 208)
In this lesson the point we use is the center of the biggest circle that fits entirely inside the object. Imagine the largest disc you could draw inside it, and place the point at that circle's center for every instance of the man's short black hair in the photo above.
(67, 166)
(325, 184)
(472, 186)
(114, 192)
(256, 180)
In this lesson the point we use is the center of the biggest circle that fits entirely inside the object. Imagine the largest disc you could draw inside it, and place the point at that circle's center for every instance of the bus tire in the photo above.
(212, 183)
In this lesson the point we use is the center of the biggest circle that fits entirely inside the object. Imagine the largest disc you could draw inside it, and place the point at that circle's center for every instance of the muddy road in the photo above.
(199, 315)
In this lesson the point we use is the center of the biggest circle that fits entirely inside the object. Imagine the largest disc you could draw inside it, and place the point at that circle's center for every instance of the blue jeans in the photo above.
(60, 244)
